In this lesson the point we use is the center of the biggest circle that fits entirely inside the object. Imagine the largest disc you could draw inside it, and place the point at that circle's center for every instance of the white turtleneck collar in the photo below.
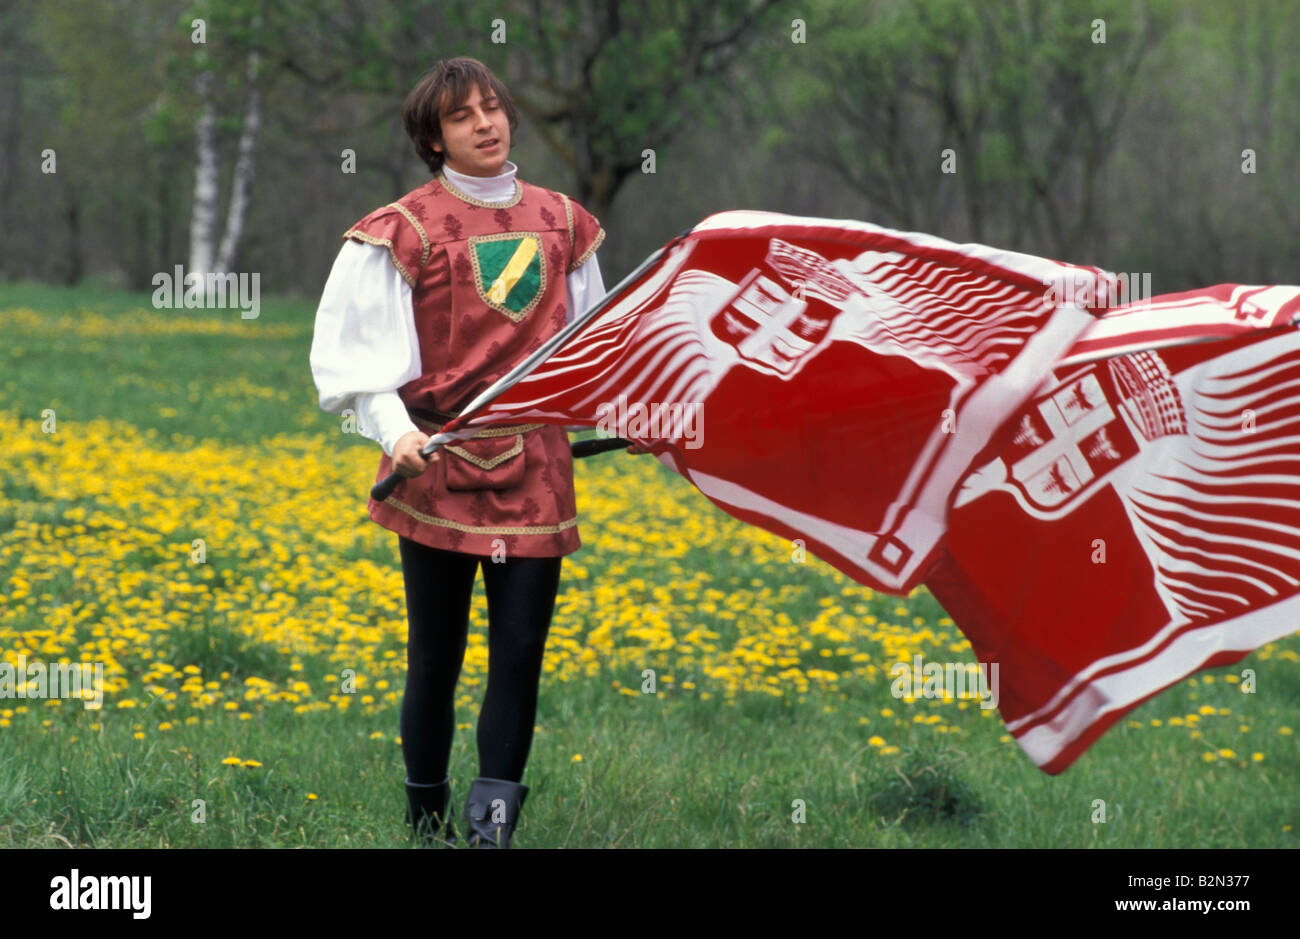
(500, 188)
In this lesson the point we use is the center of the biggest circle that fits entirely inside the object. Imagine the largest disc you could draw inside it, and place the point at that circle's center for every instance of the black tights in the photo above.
(439, 588)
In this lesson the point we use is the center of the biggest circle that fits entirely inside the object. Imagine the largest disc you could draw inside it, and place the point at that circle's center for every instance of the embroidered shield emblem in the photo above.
(509, 271)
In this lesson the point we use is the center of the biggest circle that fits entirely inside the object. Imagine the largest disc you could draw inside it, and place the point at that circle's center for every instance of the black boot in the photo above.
(491, 825)
(426, 811)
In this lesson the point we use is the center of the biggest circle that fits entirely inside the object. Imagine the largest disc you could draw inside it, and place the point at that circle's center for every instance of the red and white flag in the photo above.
(880, 396)
(1140, 522)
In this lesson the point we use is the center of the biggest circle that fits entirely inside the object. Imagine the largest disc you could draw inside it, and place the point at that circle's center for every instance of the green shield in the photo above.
(509, 271)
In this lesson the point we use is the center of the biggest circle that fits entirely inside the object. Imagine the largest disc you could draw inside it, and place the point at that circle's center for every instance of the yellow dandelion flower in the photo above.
(886, 712)
(232, 761)
(1157, 722)
(253, 763)
(876, 741)
(1228, 754)
(577, 758)
(886, 751)
(1206, 709)
(311, 797)
(1257, 757)
(1209, 757)
(1284, 731)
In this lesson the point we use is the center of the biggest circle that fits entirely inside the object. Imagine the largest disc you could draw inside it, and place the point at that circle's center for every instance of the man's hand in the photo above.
(406, 454)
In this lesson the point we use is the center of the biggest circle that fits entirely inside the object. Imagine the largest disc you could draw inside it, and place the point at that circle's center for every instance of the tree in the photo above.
(605, 80)
(239, 26)
(1028, 105)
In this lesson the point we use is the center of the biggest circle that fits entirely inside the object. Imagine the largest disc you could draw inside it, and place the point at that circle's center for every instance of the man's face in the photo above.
(467, 126)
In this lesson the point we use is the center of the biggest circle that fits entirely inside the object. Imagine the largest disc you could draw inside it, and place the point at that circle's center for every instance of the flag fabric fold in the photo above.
(1069, 475)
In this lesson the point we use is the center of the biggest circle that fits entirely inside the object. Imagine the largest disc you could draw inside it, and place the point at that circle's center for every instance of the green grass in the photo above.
(657, 770)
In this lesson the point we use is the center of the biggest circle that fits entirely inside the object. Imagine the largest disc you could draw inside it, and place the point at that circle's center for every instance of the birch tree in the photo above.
(207, 254)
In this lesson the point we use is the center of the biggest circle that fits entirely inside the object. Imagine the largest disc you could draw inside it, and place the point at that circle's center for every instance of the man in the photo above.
(432, 299)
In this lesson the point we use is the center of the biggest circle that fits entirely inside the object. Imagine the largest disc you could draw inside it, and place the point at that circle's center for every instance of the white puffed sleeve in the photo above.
(586, 288)
(364, 346)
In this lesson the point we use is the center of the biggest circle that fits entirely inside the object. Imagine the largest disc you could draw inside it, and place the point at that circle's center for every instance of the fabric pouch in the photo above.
(485, 463)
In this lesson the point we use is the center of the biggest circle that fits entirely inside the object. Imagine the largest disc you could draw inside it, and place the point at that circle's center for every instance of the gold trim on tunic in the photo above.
(387, 243)
(424, 238)
(504, 430)
(482, 529)
(466, 197)
(600, 236)
(495, 461)
(568, 215)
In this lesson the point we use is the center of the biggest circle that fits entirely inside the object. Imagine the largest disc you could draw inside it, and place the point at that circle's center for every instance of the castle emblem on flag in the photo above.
(781, 313)
(1090, 422)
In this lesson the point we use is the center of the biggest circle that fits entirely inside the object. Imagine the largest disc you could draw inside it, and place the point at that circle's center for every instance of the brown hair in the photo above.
(448, 84)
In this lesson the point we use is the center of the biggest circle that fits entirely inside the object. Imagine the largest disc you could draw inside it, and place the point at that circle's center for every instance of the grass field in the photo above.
(225, 722)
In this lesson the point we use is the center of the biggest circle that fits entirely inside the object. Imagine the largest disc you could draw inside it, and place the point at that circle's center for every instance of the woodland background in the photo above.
(228, 154)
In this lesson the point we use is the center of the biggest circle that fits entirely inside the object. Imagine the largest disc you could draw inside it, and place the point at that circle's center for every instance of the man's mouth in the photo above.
(487, 144)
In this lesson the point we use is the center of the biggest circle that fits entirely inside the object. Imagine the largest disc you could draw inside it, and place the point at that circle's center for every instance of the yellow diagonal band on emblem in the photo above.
(519, 262)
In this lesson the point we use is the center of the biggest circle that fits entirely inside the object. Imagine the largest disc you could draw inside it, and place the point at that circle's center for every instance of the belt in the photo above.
(434, 419)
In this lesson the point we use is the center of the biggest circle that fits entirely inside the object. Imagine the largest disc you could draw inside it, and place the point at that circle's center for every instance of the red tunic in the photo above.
(487, 288)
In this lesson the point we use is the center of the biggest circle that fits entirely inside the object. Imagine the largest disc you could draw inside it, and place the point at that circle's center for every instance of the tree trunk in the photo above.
(243, 171)
(76, 263)
(203, 215)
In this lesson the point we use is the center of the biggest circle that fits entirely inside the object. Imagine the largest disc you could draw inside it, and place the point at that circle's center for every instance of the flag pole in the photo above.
(384, 488)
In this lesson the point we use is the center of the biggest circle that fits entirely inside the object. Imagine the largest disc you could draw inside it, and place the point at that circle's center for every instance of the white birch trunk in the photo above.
(243, 171)
(203, 215)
